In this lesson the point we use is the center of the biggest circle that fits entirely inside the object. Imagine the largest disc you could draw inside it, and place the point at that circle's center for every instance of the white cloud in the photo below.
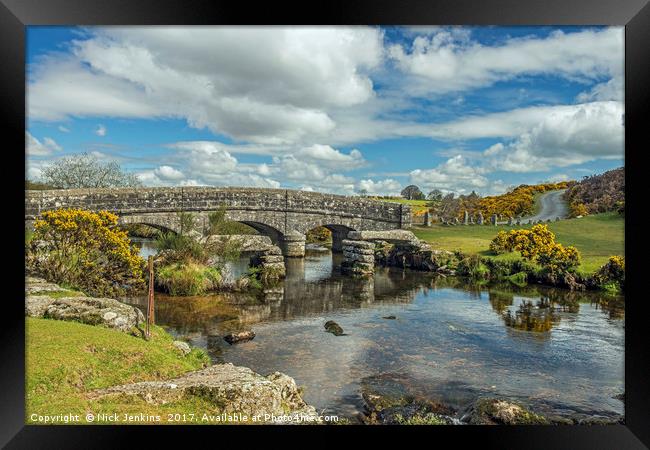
(610, 90)
(260, 84)
(63, 129)
(564, 137)
(381, 187)
(455, 175)
(100, 130)
(448, 60)
(327, 156)
(169, 173)
(38, 148)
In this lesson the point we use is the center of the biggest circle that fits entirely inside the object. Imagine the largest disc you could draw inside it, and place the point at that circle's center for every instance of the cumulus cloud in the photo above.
(100, 130)
(449, 60)
(564, 137)
(455, 174)
(38, 148)
(260, 84)
(169, 173)
(381, 187)
(63, 129)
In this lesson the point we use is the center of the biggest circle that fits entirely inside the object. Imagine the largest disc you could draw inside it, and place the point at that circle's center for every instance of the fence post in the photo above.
(150, 300)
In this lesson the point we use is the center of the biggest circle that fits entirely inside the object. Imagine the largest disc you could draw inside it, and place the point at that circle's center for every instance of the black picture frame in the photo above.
(15, 15)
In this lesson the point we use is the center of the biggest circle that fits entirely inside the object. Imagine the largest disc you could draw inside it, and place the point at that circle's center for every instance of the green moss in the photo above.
(61, 293)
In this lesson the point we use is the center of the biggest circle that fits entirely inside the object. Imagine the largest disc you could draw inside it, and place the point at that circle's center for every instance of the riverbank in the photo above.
(597, 237)
(84, 373)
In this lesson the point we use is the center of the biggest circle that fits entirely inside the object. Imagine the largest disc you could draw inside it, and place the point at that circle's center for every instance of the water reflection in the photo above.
(450, 340)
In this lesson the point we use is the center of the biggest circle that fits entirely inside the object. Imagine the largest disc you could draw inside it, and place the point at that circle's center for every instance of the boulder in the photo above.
(241, 336)
(35, 285)
(334, 328)
(388, 400)
(183, 347)
(230, 389)
(496, 411)
(105, 312)
(36, 305)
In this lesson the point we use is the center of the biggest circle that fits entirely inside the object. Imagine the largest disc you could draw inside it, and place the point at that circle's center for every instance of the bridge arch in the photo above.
(264, 229)
(339, 232)
(159, 222)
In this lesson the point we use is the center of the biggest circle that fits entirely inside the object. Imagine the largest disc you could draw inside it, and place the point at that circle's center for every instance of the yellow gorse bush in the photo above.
(86, 250)
(518, 201)
(537, 243)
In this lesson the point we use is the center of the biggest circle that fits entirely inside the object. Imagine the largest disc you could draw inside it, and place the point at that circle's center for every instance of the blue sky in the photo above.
(330, 109)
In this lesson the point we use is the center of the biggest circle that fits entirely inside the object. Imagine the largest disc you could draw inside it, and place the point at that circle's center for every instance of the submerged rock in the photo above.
(334, 328)
(495, 411)
(231, 389)
(242, 336)
(388, 401)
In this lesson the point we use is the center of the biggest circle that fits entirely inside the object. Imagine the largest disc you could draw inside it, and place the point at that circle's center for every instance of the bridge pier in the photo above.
(337, 240)
(293, 245)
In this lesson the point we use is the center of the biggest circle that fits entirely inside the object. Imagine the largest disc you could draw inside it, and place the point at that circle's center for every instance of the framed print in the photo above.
(379, 217)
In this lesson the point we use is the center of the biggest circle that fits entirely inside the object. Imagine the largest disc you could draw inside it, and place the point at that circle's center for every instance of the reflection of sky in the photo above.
(446, 343)
(451, 344)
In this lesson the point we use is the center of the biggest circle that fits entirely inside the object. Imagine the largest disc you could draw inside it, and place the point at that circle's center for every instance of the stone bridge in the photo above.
(283, 215)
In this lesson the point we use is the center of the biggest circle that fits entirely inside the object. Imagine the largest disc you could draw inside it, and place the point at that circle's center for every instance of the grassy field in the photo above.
(416, 205)
(597, 237)
(65, 360)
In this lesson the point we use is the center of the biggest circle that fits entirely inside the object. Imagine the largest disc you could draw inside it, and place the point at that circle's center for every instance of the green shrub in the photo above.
(474, 268)
(519, 279)
(179, 247)
(611, 276)
(319, 235)
(188, 278)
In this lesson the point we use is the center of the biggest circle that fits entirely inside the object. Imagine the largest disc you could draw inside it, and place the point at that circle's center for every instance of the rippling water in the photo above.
(450, 341)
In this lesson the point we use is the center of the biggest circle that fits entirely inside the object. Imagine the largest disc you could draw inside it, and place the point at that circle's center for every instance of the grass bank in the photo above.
(65, 360)
(597, 237)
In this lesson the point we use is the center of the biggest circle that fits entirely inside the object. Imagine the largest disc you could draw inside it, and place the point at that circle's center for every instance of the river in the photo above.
(557, 351)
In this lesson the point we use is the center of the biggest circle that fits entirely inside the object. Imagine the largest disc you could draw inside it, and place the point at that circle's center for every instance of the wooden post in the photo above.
(150, 309)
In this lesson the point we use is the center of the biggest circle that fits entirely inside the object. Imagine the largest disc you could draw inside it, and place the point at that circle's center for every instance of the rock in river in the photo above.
(242, 336)
(495, 411)
(231, 389)
(334, 328)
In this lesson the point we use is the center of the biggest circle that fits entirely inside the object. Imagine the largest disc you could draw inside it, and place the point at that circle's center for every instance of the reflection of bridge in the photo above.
(283, 215)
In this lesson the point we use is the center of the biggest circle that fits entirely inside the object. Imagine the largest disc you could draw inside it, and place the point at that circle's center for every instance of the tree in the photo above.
(435, 195)
(86, 171)
(85, 250)
(412, 192)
